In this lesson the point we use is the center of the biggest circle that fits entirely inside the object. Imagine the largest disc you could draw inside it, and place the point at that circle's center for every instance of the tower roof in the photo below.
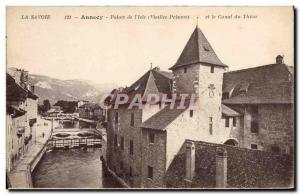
(198, 50)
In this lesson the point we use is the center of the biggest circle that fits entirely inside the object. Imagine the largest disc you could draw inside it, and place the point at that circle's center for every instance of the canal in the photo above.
(72, 168)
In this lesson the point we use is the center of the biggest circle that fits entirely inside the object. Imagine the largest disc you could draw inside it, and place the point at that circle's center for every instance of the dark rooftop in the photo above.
(198, 49)
(271, 83)
(162, 119)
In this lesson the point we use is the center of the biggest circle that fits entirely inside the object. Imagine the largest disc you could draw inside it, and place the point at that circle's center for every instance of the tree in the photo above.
(46, 105)
(67, 106)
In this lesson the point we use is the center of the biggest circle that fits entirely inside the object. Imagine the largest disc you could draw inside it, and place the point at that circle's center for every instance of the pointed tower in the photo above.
(197, 52)
(199, 71)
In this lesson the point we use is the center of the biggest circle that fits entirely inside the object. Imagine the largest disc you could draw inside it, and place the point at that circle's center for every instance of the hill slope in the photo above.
(56, 89)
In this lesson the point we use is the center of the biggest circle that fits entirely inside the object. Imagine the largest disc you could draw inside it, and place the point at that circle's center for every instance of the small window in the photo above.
(254, 146)
(150, 172)
(196, 86)
(210, 128)
(205, 48)
(226, 121)
(122, 143)
(117, 117)
(151, 137)
(185, 70)
(254, 127)
(212, 69)
(132, 119)
(210, 125)
(234, 121)
(191, 113)
(131, 147)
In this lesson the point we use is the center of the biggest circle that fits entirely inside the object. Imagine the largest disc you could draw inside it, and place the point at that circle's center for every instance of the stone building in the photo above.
(21, 114)
(90, 111)
(123, 126)
(15, 128)
(143, 143)
(20, 78)
(265, 99)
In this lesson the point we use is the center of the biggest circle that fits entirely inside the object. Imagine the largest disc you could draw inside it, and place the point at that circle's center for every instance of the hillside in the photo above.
(56, 89)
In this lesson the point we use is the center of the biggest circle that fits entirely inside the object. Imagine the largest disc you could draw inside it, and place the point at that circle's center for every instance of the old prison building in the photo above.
(246, 112)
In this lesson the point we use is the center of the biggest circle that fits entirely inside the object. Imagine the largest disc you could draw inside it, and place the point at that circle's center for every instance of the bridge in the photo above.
(74, 138)
(70, 118)
(67, 143)
(74, 132)
(61, 118)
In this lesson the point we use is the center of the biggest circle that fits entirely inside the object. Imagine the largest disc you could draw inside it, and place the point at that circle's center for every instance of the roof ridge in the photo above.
(251, 68)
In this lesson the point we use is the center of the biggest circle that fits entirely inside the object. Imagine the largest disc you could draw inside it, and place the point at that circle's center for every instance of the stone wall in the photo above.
(185, 81)
(276, 127)
(197, 128)
(120, 160)
(153, 154)
(245, 168)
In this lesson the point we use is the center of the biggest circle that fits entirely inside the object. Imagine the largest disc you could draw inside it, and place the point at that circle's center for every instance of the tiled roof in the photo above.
(260, 85)
(246, 168)
(153, 81)
(228, 111)
(14, 92)
(162, 119)
(198, 49)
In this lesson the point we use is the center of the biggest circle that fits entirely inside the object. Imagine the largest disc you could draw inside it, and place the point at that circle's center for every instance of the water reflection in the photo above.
(74, 168)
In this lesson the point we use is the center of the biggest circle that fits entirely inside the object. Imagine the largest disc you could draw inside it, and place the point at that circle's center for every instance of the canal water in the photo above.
(73, 168)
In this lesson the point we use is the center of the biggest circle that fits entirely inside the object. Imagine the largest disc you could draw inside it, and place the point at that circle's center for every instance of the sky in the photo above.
(121, 50)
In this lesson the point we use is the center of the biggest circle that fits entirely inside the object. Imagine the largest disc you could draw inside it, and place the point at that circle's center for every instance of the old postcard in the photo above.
(150, 98)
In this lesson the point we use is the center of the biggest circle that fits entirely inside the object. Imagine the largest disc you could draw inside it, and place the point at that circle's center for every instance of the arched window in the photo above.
(231, 142)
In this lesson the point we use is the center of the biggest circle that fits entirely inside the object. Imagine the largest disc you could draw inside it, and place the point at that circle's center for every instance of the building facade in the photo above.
(21, 115)
(124, 152)
(251, 108)
(90, 111)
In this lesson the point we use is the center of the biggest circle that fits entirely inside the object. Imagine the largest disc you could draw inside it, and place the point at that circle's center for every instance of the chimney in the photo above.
(221, 167)
(189, 160)
(279, 59)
